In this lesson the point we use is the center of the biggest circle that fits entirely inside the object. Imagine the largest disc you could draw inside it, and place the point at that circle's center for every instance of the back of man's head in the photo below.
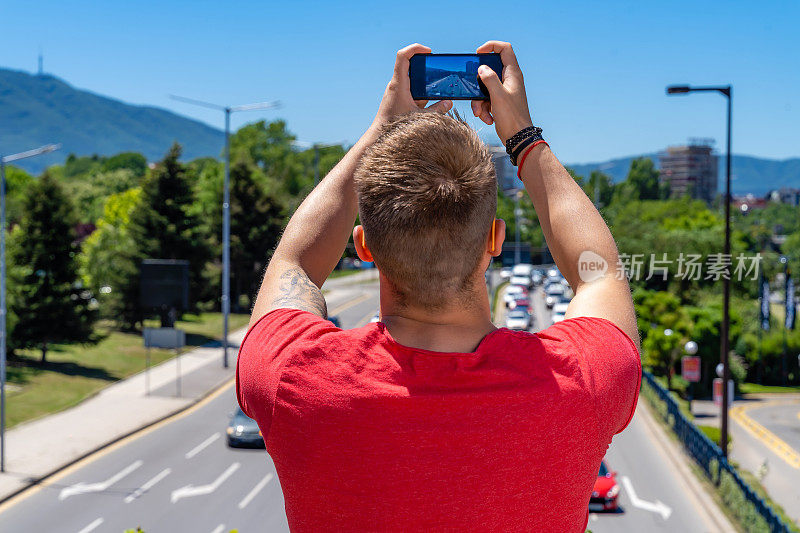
(427, 195)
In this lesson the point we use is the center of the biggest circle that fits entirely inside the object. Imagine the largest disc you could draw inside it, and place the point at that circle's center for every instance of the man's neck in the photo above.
(458, 327)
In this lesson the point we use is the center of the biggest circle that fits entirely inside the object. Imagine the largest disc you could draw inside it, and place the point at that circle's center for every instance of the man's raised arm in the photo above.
(318, 231)
(572, 226)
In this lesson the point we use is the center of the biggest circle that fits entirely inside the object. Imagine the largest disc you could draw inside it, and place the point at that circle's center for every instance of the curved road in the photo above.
(181, 476)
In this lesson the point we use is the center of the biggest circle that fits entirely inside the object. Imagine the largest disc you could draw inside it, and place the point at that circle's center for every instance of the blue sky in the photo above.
(595, 71)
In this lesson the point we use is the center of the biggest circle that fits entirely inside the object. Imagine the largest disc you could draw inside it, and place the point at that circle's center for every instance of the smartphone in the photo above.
(450, 76)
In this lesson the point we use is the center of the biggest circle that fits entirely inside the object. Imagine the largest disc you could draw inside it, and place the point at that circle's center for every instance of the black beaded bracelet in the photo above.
(518, 137)
(522, 146)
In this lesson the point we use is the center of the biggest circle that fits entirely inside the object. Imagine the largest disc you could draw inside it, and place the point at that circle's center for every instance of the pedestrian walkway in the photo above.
(765, 429)
(41, 447)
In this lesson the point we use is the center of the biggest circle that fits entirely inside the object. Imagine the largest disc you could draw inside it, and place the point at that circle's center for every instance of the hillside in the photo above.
(36, 110)
(750, 174)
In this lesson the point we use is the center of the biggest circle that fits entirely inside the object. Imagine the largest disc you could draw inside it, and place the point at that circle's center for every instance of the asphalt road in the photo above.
(653, 495)
(452, 85)
(181, 476)
(178, 477)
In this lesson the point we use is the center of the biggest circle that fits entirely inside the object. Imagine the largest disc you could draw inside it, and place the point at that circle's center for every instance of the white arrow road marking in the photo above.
(657, 507)
(147, 486)
(91, 527)
(219, 529)
(252, 494)
(82, 488)
(189, 490)
(200, 447)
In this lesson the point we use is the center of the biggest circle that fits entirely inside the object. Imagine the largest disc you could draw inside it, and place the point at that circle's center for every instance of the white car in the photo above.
(553, 294)
(522, 269)
(558, 317)
(518, 319)
(560, 308)
(513, 291)
(506, 273)
(523, 281)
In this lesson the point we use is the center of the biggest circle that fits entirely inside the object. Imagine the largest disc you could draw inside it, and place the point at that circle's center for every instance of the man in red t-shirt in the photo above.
(433, 419)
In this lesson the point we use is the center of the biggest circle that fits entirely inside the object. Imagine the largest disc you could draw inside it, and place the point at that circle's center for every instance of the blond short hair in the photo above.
(427, 195)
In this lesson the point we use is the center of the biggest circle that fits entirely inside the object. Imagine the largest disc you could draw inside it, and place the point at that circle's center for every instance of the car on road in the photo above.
(505, 273)
(560, 309)
(523, 302)
(537, 277)
(522, 281)
(513, 291)
(243, 432)
(518, 319)
(605, 491)
(553, 293)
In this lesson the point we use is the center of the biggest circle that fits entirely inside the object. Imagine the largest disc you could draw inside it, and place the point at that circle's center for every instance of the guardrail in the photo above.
(754, 513)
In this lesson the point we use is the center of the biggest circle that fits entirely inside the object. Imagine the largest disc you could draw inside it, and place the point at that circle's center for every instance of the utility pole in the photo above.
(226, 210)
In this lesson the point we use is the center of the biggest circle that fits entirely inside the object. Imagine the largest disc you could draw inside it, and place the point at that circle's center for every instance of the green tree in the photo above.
(599, 183)
(17, 183)
(257, 218)
(110, 260)
(52, 306)
(165, 225)
(133, 161)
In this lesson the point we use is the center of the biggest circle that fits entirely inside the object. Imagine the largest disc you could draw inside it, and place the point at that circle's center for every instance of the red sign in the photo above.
(690, 368)
(718, 391)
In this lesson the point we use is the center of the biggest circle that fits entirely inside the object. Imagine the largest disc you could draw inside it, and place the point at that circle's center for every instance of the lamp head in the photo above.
(678, 89)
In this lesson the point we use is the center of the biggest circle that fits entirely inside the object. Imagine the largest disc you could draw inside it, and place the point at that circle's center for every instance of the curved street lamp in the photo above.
(727, 91)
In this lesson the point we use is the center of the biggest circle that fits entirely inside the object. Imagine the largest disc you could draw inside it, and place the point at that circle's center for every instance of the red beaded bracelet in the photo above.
(525, 154)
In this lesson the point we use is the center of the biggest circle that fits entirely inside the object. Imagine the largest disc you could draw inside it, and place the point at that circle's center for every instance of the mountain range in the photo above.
(749, 174)
(40, 109)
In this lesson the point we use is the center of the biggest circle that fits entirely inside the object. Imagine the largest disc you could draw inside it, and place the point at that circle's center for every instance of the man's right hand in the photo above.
(507, 107)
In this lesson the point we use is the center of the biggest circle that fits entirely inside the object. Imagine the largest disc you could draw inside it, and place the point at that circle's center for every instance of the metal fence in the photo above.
(707, 454)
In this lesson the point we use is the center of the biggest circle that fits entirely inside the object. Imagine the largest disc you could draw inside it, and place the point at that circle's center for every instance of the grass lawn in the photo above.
(752, 388)
(342, 273)
(74, 372)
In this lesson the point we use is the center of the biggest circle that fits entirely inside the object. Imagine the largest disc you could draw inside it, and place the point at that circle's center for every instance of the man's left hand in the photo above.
(397, 99)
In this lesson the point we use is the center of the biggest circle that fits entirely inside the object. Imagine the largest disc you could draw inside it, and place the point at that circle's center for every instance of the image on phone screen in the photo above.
(450, 76)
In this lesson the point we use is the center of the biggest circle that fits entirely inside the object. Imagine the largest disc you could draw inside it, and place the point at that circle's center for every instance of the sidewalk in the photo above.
(762, 451)
(39, 448)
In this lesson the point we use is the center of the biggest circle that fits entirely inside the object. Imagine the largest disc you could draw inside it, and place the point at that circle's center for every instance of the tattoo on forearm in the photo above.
(299, 292)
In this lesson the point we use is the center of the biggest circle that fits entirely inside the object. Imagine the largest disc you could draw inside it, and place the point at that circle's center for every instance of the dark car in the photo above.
(243, 431)
(605, 492)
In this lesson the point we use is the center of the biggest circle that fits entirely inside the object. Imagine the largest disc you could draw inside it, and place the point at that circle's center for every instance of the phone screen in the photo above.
(450, 76)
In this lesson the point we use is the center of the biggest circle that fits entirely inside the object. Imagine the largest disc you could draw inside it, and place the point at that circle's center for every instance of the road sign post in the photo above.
(690, 371)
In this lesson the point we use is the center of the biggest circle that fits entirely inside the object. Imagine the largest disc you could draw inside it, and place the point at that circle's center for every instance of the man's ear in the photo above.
(497, 235)
(361, 244)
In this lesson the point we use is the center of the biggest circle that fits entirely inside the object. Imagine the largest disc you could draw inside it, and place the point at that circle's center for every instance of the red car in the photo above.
(522, 303)
(605, 492)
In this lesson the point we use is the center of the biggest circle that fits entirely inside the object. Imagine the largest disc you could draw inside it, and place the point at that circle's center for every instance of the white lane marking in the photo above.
(200, 447)
(252, 494)
(657, 507)
(82, 488)
(190, 490)
(219, 529)
(148, 485)
(91, 527)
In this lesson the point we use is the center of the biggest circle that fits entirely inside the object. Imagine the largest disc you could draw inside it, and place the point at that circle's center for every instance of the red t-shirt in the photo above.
(370, 435)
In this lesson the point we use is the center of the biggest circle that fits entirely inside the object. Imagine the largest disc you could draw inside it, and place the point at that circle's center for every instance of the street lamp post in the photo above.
(727, 91)
(517, 215)
(226, 213)
(3, 160)
(316, 147)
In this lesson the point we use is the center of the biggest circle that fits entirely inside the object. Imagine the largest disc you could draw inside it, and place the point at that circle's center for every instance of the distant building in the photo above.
(690, 170)
(507, 179)
(786, 195)
(472, 68)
